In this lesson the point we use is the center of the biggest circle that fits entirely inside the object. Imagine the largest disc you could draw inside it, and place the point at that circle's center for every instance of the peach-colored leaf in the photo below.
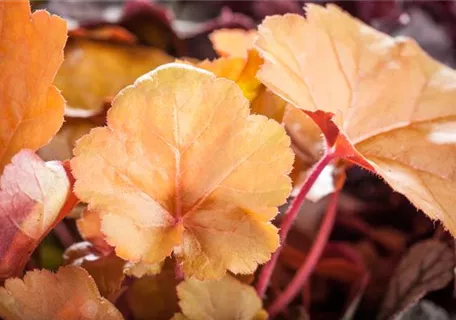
(70, 294)
(33, 194)
(96, 70)
(393, 104)
(89, 226)
(224, 299)
(182, 167)
(232, 42)
(31, 51)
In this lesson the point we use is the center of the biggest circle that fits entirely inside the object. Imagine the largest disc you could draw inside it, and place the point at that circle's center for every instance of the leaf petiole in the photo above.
(305, 270)
(290, 217)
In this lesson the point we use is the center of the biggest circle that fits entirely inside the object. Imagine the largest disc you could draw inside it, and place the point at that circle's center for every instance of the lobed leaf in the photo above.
(236, 48)
(182, 167)
(392, 103)
(69, 294)
(224, 299)
(31, 50)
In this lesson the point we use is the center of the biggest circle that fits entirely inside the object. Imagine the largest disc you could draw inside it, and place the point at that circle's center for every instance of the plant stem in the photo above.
(290, 216)
(303, 273)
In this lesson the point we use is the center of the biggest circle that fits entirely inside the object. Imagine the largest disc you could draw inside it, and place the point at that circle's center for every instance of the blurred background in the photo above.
(432, 23)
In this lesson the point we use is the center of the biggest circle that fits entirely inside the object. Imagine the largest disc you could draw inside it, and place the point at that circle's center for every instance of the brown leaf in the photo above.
(106, 270)
(154, 297)
(427, 266)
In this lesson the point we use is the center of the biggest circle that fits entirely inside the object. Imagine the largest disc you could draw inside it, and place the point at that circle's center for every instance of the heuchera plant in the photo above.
(183, 181)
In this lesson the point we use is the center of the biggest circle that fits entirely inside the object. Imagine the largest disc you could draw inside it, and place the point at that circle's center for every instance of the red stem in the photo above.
(303, 273)
(290, 216)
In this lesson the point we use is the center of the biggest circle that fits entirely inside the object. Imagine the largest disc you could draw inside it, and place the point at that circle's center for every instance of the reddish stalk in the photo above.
(303, 273)
(290, 217)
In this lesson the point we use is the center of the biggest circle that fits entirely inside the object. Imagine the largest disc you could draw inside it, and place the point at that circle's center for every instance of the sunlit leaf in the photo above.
(240, 70)
(34, 196)
(70, 294)
(224, 299)
(182, 167)
(31, 51)
(393, 105)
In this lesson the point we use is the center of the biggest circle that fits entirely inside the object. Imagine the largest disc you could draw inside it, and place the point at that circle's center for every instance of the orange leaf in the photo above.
(237, 45)
(89, 226)
(268, 104)
(106, 33)
(70, 294)
(34, 196)
(227, 298)
(392, 103)
(232, 42)
(240, 70)
(31, 50)
(182, 167)
(95, 70)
